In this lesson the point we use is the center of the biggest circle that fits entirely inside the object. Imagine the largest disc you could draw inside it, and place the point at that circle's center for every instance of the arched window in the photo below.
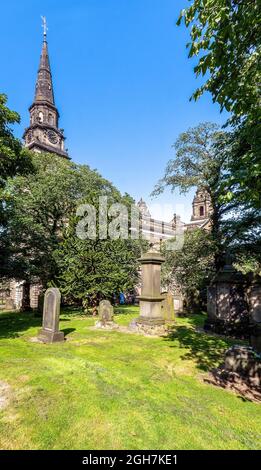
(40, 116)
(51, 119)
(201, 211)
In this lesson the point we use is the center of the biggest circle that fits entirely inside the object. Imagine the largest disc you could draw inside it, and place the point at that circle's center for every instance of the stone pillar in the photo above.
(151, 319)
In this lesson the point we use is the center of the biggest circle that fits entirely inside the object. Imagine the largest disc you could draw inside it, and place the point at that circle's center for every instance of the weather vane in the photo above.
(44, 26)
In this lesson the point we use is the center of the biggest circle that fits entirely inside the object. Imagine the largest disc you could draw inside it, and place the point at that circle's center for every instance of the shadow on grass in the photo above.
(67, 331)
(12, 324)
(206, 350)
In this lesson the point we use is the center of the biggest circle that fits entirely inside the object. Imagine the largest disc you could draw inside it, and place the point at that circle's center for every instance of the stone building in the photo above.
(158, 230)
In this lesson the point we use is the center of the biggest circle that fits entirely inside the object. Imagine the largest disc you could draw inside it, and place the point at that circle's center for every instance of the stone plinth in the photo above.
(151, 319)
(50, 330)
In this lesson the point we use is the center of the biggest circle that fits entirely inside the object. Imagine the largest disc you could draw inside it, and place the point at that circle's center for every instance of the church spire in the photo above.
(44, 85)
(43, 134)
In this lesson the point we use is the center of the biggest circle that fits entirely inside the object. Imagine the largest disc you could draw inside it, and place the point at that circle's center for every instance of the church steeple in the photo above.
(43, 134)
(44, 85)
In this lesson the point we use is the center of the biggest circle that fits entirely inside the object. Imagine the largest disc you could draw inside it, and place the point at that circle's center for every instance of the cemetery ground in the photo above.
(112, 390)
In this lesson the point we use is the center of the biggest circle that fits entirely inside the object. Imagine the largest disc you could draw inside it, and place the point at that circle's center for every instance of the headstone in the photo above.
(50, 329)
(178, 304)
(244, 361)
(105, 312)
(168, 308)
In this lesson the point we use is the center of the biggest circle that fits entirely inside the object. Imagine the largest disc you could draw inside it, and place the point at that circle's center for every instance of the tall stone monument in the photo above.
(50, 329)
(151, 319)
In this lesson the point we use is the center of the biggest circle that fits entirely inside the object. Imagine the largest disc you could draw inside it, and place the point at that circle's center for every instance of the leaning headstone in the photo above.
(50, 329)
(105, 312)
(168, 308)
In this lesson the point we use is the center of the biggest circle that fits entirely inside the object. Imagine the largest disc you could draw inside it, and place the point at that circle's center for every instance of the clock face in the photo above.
(52, 137)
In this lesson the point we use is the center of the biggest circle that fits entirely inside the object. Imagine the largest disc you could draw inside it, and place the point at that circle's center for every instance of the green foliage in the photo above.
(190, 269)
(226, 37)
(14, 159)
(202, 159)
(42, 225)
(94, 269)
(199, 161)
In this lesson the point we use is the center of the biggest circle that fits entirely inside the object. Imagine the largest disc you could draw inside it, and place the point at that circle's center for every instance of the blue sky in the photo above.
(122, 83)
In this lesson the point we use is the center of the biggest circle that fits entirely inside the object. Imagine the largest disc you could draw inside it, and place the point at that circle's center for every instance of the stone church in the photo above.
(158, 230)
(44, 135)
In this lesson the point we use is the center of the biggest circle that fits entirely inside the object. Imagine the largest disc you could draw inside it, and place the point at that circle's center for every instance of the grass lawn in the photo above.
(111, 390)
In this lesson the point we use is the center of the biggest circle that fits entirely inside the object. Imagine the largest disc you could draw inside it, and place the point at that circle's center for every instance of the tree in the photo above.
(41, 228)
(14, 160)
(39, 206)
(225, 36)
(202, 159)
(190, 269)
(90, 270)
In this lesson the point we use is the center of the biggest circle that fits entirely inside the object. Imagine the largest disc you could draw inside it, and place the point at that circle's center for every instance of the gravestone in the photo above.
(51, 310)
(105, 312)
(168, 308)
(244, 361)
(178, 304)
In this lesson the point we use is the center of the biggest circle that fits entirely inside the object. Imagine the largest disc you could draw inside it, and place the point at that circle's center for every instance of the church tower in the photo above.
(43, 134)
(201, 205)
